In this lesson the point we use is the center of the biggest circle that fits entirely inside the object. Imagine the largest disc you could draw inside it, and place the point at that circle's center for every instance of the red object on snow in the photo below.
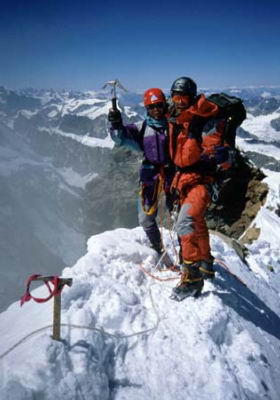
(57, 288)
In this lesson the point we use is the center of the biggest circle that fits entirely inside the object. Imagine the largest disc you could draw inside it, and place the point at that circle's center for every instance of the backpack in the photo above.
(231, 108)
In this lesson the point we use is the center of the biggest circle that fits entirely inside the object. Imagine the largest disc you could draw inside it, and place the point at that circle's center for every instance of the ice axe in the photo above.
(114, 84)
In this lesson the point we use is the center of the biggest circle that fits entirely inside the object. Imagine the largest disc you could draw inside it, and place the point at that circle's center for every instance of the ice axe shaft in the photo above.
(114, 84)
(114, 103)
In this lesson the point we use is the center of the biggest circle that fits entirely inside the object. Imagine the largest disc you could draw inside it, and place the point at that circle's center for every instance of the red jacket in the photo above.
(186, 143)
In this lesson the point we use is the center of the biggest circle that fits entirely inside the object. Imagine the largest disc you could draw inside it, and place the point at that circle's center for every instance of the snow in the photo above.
(260, 126)
(74, 179)
(53, 113)
(11, 162)
(129, 112)
(139, 343)
(267, 220)
(93, 107)
(107, 142)
(236, 91)
(266, 149)
(123, 337)
(266, 95)
(27, 113)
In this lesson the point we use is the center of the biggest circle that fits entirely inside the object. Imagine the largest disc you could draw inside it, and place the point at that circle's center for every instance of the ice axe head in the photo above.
(114, 84)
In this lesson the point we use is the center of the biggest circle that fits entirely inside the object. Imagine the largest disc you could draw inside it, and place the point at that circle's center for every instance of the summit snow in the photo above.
(136, 343)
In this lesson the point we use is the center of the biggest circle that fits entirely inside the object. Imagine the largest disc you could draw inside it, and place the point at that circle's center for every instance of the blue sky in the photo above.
(81, 44)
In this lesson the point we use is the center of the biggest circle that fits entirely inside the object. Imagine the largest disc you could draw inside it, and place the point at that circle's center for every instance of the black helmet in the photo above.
(185, 86)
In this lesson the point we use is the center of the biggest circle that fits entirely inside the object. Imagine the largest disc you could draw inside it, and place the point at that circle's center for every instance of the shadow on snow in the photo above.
(246, 303)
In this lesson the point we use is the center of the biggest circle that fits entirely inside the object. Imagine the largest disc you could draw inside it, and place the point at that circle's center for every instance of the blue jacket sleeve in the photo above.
(128, 136)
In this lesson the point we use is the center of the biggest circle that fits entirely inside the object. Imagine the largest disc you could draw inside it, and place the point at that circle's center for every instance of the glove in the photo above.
(221, 154)
(225, 158)
(115, 118)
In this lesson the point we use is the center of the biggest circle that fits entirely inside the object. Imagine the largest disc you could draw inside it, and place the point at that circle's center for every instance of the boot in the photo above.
(191, 282)
(157, 246)
(206, 269)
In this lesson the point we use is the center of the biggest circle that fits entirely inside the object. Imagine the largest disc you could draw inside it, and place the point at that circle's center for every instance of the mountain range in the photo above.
(62, 179)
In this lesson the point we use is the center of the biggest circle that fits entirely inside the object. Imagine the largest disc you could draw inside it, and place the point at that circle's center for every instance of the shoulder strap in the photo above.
(233, 110)
(142, 132)
(143, 128)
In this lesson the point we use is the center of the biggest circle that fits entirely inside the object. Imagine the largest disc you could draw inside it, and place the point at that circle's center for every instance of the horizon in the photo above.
(137, 91)
(65, 46)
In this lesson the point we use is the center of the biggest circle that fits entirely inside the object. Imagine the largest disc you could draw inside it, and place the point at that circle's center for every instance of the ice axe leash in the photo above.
(114, 84)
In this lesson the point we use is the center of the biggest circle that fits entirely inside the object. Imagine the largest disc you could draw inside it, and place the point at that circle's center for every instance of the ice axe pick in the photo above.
(114, 84)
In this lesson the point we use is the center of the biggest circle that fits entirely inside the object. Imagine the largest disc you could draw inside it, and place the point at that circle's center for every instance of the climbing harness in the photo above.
(156, 195)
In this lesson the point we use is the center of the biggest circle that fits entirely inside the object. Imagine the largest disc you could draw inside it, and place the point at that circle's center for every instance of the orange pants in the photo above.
(191, 225)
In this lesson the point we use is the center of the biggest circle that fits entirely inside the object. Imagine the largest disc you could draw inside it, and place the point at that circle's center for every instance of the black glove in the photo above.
(221, 154)
(115, 118)
(196, 127)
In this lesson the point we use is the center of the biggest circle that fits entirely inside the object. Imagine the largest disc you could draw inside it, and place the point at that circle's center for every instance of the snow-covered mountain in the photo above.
(62, 182)
(124, 338)
(54, 149)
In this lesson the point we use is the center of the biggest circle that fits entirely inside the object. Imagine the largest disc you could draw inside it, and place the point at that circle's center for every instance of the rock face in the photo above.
(239, 202)
(111, 199)
(275, 123)
(260, 106)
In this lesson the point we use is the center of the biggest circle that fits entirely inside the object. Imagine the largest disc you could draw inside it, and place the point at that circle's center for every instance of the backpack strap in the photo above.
(233, 111)
(142, 133)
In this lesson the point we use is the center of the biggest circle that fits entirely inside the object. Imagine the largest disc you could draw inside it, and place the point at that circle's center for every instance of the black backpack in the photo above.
(231, 108)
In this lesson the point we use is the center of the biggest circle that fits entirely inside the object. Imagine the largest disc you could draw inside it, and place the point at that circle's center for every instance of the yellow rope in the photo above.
(158, 190)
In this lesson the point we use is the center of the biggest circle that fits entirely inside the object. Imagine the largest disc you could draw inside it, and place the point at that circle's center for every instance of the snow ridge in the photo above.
(224, 345)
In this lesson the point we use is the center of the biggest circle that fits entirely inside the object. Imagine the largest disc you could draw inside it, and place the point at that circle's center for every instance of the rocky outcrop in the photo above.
(240, 200)
(263, 106)
(250, 235)
(275, 123)
(111, 198)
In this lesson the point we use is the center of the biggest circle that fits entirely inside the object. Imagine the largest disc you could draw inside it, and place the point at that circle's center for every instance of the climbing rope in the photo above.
(157, 278)
(114, 335)
(99, 330)
(171, 229)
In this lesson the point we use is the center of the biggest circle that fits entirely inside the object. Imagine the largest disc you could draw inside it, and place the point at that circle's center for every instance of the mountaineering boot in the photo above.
(206, 269)
(191, 282)
(157, 246)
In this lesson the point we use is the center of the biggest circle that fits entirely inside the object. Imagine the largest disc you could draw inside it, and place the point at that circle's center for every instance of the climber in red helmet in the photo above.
(156, 173)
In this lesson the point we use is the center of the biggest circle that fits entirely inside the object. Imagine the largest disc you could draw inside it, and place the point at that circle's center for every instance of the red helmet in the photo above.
(153, 96)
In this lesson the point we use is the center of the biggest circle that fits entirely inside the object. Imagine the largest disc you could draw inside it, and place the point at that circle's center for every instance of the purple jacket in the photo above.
(142, 137)
(153, 142)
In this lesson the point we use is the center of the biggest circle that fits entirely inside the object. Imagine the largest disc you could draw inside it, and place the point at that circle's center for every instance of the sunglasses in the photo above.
(177, 98)
(156, 105)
